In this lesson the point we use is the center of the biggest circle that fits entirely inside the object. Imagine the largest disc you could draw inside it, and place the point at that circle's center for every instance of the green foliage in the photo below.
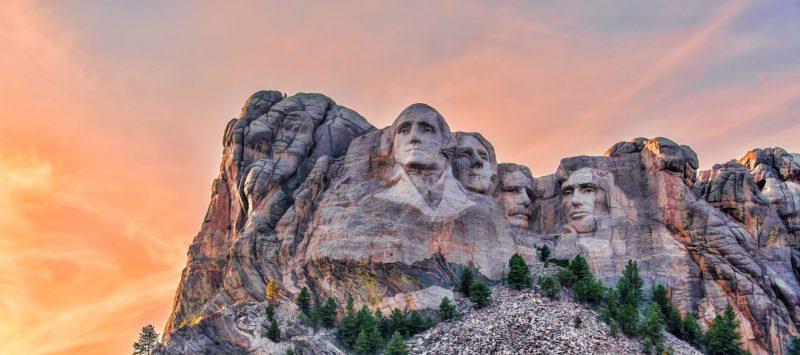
(580, 267)
(559, 262)
(578, 321)
(480, 294)
(628, 318)
(328, 313)
(614, 328)
(659, 296)
(375, 340)
(447, 310)
(384, 324)
(270, 311)
(653, 326)
(314, 315)
(415, 323)
(304, 300)
(466, 281)
(289, 351)
(722, 336)
(348, 329)
(549, 286)
(544, 254)
(589, 289)
(692, 332)
(610, 311)
(792, 346)
(274, 333)
(519, 274)
(148, 338)
(396, 346)
(672, 316)
(362, 344)
(365, 319)
(630, 285)
(566, 277)
(398, 321)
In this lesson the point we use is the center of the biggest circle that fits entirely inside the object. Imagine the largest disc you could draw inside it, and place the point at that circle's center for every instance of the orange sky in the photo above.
(111, 116)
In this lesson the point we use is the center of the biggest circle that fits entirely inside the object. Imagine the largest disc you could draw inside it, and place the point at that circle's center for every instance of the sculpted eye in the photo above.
(427, 129)
(566, 192)
(588, 189)
(483, 156)
(403, 130)
(464, 156)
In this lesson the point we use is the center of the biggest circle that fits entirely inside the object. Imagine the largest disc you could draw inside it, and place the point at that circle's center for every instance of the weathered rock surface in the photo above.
(311, 195)
(522, 322)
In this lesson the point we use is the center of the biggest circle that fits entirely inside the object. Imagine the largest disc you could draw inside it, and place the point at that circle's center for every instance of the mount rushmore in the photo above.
(311, 195)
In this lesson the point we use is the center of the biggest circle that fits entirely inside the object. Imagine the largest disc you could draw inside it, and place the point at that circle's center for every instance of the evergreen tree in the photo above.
(578, 321)
(480, 294)
(270, 311)
(610, 311)
(549, 286)
(566, 277)
(273, 292)
(148, 338)
(396, 346)
(692, 332)
(630, 285)
(653, 326)
(314, 316)
(289, 351)
(415, 323)
(328, 313)
(544, 254)
(792, 346)
(628, 318)
(384, 325)
(429, 322)
(304, 300)
(659, 296)
(466, 281)
(580, 267)
(722, 336)
(375, 340)
(398, 321)
(519, 274)
(362, 345)
(365, 319)
(274, 333)
(614, 328)
(674, 322)
(447, 310)
(589, 289)
(348, 328)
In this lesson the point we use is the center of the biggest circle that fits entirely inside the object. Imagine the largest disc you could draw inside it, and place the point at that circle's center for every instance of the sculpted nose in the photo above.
(526, 201)
(477, 162)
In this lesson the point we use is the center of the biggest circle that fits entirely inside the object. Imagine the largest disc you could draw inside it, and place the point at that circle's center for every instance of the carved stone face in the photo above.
(515, 198)
(580, 196)
(472, 166)
(418, 140)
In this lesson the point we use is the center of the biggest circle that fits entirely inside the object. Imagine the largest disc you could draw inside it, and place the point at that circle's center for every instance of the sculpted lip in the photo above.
(578, 214)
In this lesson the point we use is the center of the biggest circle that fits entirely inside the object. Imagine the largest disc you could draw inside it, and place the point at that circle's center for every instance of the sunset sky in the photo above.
(112, 115)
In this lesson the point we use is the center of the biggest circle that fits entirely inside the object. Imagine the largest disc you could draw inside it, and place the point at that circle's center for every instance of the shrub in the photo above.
(274, 333)
(396, 346)
(578, 321)
(566, 277)
(652, 328)
(722, 337)
(549, 286)
(480, 294)
(692, 332)
(304, 300)
(447, 310)
(328, 313)
(519, 274)
(544, 254)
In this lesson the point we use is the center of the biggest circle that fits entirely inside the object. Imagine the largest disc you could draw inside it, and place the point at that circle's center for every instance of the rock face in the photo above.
(311, 195)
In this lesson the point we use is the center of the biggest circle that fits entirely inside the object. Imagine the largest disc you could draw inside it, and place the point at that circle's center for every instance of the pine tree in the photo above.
(383, 323)
(659, 296)
(653, 326)
(289, 351)
(362, 346)
(628, 318)
(274, 333)
(544, 254)
(578, 321)
(519, 274)
(396, 346)
(466, 281)
(273, 292)
(549, 286)
(364, 318)
(447, 310)
(348, 328)
(692, 332)
(328, 313)
(375, 340)
(148, 338)
(630, 285)
(589, 289)
(270, 311)
(672, 316)
(398, 321)
(415, 323)
(566, 277)
(480, 294)
(580, 267)
(722, 336)
(315, 315)
(304, 300)
(610, 311)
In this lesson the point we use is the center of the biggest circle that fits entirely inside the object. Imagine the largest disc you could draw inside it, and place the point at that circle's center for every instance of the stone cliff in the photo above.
(312, 195)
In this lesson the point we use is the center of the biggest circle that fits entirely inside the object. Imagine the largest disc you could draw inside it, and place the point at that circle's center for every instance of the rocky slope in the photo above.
(523, 322)
(311, 195)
